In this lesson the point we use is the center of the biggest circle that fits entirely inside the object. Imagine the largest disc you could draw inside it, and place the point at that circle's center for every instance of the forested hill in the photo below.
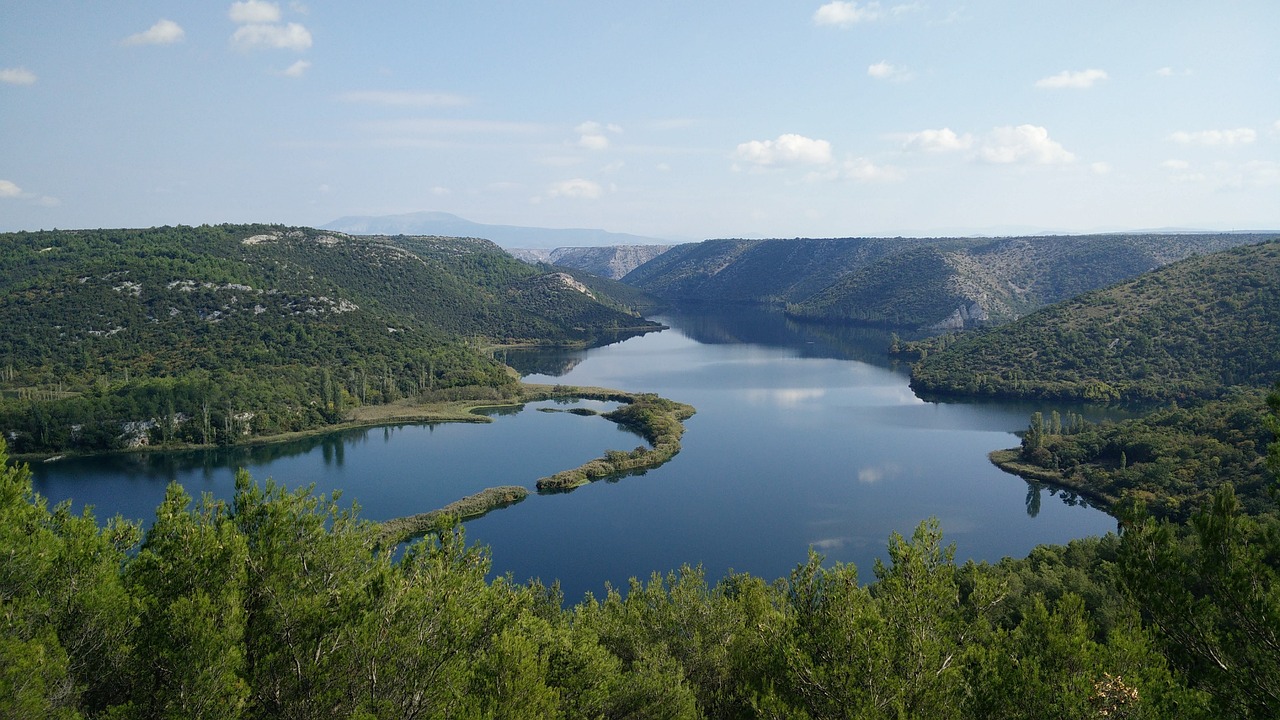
(936, 283)
(1191, 329)
(279, 327)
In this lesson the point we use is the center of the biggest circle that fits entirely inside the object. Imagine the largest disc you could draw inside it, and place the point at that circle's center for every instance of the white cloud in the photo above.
(164, 32)
(297, 69)
(1175, 165)
(285, 37)
(403, 98)
(844, 14)
(885, 71)
(1072, 79)
(944, 140)
(254, 12)
(1100, 168)
(1239, 136)
(17, 76)
(575, 188)
(863, 170)
(1165, 71)
(789, 149)
(1022, 144)
(857, 169)
(10, 189)
(591, 134)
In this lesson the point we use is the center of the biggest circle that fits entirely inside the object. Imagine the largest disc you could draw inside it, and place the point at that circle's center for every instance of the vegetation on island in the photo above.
(659, 420)
(283, 604)
(398, 530)
(1192, 329)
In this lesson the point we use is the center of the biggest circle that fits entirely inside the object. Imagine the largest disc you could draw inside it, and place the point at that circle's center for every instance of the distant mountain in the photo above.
(612, 262)
(1190, 329)
(508, 236)
(913, 283)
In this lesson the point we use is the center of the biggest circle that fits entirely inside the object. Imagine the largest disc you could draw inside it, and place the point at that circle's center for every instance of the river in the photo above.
(805, 436)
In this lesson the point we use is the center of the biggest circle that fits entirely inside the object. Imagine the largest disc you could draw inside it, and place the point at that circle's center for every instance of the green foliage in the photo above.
(659, 420)
(1211, 591)
(205, 335)
(284, 605)
(1192, 329)
(1171, 461)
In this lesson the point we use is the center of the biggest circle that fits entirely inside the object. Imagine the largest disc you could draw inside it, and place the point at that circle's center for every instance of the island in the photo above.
(659, 420)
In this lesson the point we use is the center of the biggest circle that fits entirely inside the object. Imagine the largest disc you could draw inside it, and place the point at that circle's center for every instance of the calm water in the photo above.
(805, 437)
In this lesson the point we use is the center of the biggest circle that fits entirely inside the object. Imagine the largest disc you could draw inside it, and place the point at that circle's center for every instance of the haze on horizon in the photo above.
(670, 120)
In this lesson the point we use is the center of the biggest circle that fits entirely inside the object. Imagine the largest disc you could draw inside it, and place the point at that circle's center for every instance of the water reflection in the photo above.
(1033, 498)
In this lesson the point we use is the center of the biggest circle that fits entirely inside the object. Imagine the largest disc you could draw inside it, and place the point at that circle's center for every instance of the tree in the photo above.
(1212, 592)
(190, 580)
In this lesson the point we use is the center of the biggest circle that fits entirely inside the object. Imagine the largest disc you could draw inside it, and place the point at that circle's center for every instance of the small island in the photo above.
(659, 420)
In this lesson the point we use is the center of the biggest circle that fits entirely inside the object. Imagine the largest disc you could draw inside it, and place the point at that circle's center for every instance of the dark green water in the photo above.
(804, 437)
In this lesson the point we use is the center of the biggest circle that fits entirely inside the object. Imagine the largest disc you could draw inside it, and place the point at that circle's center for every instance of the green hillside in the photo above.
(254, 329)
(755, 271)
(923, 284)
(1191, 329)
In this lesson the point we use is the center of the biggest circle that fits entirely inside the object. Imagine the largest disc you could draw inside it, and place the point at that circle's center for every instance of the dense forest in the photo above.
(1192, 329)
(1170, 462)
(111, 338)
(280, 605)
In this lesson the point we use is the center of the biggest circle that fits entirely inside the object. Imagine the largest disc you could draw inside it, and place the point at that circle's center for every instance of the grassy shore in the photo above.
(659, 420)
(397, 530)
(1009, 461)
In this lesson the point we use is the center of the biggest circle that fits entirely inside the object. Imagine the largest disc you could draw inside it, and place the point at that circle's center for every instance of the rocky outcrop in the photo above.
(613, 261)
(965, 316)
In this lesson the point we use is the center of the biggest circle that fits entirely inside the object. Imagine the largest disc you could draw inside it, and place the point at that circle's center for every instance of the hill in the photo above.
(927, 284)
(1191, 329)
(256, 328)
(612, 262)
(446, 224)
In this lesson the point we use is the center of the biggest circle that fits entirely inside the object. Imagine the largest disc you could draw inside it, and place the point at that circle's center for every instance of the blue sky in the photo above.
(672, 119)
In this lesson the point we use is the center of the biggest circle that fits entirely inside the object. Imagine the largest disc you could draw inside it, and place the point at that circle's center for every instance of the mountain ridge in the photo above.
(917, 284)
(508, 236)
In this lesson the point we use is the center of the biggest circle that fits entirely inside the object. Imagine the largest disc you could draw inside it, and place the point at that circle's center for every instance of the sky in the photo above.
(679, 120)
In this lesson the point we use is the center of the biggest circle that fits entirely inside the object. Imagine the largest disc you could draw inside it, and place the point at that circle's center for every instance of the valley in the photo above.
(291, 349)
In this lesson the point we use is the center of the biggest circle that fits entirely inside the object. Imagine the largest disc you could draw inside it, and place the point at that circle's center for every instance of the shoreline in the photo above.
(1007, 460)
(659, 420)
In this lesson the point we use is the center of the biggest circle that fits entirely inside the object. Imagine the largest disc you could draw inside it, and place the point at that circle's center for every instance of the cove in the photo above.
(805, 436)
